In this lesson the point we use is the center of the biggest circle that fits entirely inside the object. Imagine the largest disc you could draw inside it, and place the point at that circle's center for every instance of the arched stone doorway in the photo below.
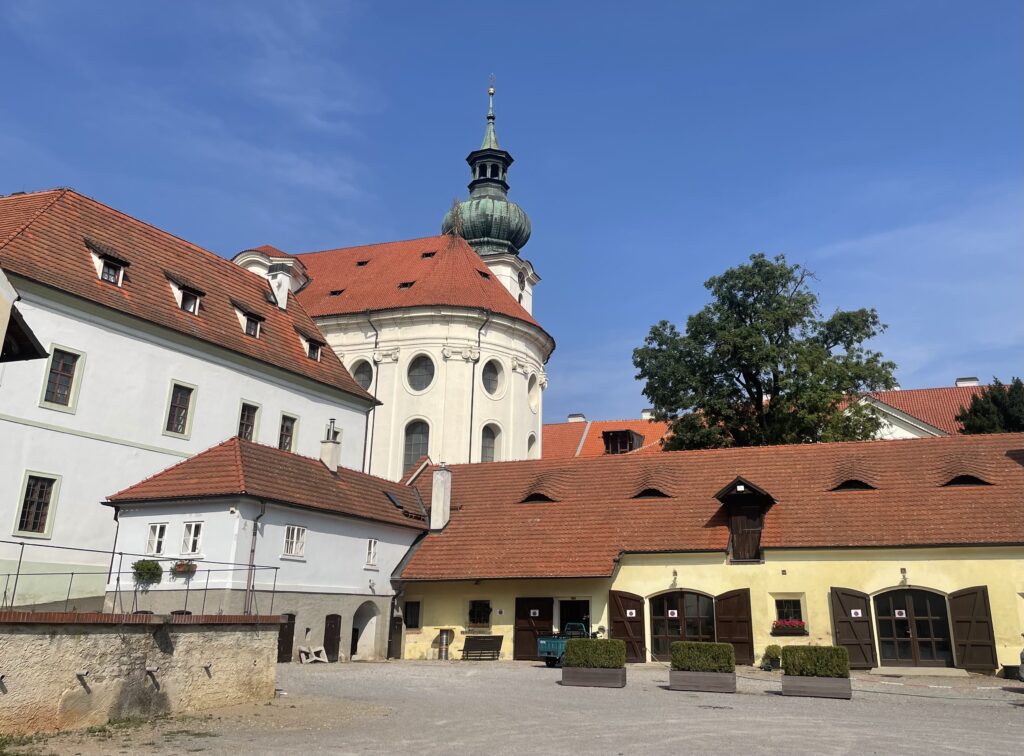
(913, 628)
(679, 616)
(364, 633)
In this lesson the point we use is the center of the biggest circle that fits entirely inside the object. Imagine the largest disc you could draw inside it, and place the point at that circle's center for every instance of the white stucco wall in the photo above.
(455, 405)
(115, 435)
(334, 559)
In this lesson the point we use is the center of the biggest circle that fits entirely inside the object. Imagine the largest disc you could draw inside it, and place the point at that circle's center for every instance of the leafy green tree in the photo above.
(997, 409)
(759, 365)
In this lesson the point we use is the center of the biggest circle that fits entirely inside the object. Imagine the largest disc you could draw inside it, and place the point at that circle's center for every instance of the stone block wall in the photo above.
(136, 665)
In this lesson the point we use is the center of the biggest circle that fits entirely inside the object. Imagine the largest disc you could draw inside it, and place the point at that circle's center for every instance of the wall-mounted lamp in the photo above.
(152, 670)
(82, 674)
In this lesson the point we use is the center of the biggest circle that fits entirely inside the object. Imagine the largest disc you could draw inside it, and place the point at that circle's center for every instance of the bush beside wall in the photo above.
(595, 653)
(689, 656)
(816, 661)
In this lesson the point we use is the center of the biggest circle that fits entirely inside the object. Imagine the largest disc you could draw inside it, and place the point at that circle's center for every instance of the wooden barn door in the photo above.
(534, 617)
(626, 617)
(332, 636)
(733, 625)
(285, 638)
(851, 626)
(973, 638)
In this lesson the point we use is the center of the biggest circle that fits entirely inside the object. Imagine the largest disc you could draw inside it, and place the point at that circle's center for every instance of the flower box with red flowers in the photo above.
(789, 627)
(184, 569)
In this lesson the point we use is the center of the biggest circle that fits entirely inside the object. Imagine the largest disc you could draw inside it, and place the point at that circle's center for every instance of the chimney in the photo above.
(968, 380)
(330, 448)
(577, 417)
(440, 497)
(647, 414)
(280, 277)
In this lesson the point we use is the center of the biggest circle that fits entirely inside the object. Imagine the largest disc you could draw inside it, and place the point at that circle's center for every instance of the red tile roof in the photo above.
(594, 517)
(42, 238)
(562, 440)
(453, 275)
(237, 467)
(936, 406)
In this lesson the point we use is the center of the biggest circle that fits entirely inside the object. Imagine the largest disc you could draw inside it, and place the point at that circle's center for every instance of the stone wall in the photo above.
(135, 665)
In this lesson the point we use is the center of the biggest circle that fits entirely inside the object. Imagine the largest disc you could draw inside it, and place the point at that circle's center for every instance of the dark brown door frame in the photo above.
(526, 629)
(911, 620)
(632, 630)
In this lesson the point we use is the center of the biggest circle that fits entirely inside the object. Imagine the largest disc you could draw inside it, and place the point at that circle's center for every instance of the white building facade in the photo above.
(125, 394)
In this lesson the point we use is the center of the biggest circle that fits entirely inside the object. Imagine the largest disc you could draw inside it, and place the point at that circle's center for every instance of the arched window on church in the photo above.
(489, 443)
(417, 441)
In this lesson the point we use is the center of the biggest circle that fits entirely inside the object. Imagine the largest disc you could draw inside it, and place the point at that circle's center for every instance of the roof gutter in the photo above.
(250, 579)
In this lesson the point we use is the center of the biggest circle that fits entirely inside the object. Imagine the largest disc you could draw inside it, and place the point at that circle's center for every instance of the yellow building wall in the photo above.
(806, 575)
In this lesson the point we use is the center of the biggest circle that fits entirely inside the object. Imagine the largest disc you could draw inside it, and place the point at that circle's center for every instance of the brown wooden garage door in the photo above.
(534, 617)
(733, 625)
(973, 638)
(851, 626)
(626, 612)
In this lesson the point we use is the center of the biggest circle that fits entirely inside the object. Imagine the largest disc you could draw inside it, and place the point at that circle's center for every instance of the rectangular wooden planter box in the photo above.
(816, 687)
(594, 678)
(707, 682)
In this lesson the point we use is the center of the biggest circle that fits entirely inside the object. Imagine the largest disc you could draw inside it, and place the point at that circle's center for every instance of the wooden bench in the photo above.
(482, 647)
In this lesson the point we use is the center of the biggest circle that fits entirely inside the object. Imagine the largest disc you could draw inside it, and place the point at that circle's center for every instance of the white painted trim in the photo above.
(76, 381)
(93, 436)
(193, 405)
(51, 511)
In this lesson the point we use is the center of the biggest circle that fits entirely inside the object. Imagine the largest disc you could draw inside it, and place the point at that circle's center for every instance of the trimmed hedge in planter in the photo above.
(707, 667)
(596, 653)
(816, 661)
(688, 656)
(595, 663)
(816, 671)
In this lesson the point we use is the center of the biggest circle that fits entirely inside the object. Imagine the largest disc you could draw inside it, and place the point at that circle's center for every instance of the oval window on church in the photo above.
(491, 377)
(421, 373)
(363, 373)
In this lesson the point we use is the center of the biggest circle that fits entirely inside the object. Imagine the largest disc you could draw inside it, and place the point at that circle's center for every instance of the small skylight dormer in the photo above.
(187, 295)
(189, 301)
(537, 497)
(853, 484)
(252, 326)
(406, 284)
(427, 255)
(110, 267)
(362, 263)
(313, 350)
(966, 480)
(250, 321)
(337, 292)
(652, 493)
(484, 274)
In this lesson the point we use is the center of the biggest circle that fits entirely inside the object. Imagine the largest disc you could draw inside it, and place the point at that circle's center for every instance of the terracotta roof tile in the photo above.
(237, 467)
(443, 270)
(43, 238)
(493, 535)
(936, 406)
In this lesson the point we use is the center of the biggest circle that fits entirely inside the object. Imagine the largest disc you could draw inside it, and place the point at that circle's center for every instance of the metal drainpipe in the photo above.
(472, 383)
(251, 578)
(368, 431)
(113, 548)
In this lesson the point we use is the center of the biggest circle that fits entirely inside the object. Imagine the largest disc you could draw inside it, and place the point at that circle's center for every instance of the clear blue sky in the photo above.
(656, 144)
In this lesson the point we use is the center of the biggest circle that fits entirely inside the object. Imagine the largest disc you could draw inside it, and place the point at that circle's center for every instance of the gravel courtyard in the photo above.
(487, 707)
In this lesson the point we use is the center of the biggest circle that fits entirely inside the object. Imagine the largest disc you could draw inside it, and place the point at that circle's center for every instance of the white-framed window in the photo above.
(190, 301)
(295, 541)
(111, 271)
(313, 351)
(38, 502)
(63, 379)
(179, 409)
(155, 539)
(248, 417)
(252, 326)
(192, 538)
(286, 435)
(371, 552)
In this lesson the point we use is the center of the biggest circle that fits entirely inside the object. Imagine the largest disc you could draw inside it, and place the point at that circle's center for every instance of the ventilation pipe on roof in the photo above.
(647, 414)
(280, 277)
(968, 380)
(330, 448)
(576, 417)
(440, 497)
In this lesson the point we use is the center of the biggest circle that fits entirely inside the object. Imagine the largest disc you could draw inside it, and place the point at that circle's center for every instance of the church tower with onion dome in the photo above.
(495, 226)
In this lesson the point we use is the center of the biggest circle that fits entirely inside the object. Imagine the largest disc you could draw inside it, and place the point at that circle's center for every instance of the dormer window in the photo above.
(406, 284)
(484, 274)
(854, 484)
(313, 351)
(427, 255)
(252, 326)
(621, 441)
(966, 480)
(111, 272)
(651, 493)
(745, 506)
(362, 263)
(337, 292)
(190, 301)
(536, 498)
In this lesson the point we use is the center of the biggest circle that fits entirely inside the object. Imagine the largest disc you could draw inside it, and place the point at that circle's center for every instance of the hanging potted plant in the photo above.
(184, 568)
(147, 572)
(789, 627)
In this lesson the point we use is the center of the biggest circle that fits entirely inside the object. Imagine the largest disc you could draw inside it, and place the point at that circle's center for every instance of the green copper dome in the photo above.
(488, 220)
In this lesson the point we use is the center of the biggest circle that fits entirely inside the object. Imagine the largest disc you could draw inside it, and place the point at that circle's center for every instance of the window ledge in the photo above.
(38, 536)
(371, 568)
(292, 558)
(413, 631)
(67, 409)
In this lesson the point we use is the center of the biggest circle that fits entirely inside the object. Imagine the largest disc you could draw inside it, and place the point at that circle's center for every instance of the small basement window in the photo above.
(406, 284)
(966, 480)
(479, 613)
(854, 485)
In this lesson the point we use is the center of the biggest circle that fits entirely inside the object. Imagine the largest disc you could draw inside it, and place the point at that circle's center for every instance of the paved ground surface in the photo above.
(485, 707)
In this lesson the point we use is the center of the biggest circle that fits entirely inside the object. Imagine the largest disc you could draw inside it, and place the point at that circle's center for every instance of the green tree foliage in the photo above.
(997, 409)
(759, 365)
